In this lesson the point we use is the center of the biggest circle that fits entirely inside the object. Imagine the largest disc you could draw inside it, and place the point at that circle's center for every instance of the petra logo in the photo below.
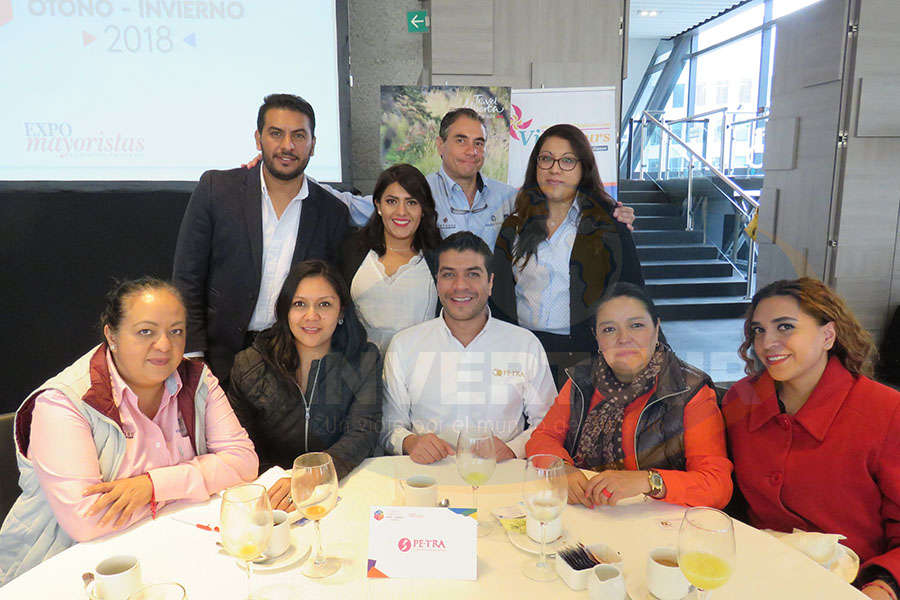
(379, 515)
(404, 545)
(5, 11)
(423, 545)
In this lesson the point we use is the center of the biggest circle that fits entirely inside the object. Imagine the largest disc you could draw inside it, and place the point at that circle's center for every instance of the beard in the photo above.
(277, 173)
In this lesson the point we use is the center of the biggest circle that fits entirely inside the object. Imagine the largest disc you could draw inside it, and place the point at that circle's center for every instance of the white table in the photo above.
(172, 551)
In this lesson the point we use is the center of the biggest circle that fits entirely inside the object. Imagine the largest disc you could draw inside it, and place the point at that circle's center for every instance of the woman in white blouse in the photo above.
(389, 263)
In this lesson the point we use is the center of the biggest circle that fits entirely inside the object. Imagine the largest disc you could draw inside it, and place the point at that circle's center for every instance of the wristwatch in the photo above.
(656, 484)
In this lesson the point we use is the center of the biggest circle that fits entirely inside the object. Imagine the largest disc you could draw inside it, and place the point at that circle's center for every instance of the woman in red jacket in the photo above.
(644, 421)
(815, 442)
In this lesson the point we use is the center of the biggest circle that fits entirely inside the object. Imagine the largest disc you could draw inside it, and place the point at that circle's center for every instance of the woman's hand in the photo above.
(876, 592)
(609, 487)
(122, 497)
(280, 495)
(577, 484)
(255, 161)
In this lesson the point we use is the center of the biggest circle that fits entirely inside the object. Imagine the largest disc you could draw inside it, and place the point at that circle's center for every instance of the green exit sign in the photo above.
(417, 21)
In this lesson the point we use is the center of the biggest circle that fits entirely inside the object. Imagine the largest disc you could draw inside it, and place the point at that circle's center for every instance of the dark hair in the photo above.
(278, 342)
(427, 236)
(530, 215)
(451, 117)
(466, 240)
(290, 102)
(627, 290)
(122, 290)
(853, 345)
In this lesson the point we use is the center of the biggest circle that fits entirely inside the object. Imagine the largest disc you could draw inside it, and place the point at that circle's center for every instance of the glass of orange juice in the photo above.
(246, 524)
(706, 548)
(314, 491)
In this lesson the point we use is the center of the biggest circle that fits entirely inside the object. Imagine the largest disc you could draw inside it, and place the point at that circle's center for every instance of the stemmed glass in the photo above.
(706, 548)
(476, 459)
(246, 521)
(314, 490)
(544, 490)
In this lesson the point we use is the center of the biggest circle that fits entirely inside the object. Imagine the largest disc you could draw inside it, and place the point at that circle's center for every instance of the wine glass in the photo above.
(706, 548)
(246, 522)
(476, 459)
(314, 489)
(544, 490)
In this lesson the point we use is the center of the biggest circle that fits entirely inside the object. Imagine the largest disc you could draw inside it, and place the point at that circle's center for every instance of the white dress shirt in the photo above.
(279, 240)
(387, 304)
(434, 384)
(542, 286)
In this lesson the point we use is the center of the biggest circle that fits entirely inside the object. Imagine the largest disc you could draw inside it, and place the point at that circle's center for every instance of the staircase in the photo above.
(687, 278)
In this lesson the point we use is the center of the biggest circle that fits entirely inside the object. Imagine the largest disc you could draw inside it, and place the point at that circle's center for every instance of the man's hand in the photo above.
(577, 483)
(623, 214)
(280, 495)
(255, 161)
(426, 448)
(502, 451)
(122, 497)
(876, 592)
(609, 487)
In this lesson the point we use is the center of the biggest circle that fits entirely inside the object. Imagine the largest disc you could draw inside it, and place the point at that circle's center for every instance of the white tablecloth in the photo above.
(173, 551)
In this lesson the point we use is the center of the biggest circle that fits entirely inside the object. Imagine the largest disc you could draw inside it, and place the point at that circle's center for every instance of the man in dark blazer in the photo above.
(243, 230)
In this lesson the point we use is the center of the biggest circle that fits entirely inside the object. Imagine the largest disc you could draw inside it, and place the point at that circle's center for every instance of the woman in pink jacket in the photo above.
(128, 427)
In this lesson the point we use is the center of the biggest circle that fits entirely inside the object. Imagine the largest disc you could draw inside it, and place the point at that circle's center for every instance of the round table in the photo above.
(171, 550)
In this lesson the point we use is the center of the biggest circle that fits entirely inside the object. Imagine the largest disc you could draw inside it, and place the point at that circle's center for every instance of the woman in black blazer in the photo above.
(389, 263)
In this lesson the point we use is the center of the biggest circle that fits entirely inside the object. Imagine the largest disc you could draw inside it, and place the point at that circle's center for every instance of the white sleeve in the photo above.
(361, 207)
(540, 392)
(396, 419)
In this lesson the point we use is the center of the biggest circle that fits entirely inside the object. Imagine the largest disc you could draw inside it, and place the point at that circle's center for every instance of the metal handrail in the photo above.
(760, 118)
(697, 116)
(740, 192)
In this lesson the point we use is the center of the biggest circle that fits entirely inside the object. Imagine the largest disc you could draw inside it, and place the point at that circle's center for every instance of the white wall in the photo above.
(640, 51)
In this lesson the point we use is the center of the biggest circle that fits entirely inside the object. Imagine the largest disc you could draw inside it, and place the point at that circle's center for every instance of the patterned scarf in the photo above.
(600, 445)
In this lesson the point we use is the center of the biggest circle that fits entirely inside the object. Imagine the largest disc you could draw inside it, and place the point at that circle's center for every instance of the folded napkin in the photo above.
(821, 547)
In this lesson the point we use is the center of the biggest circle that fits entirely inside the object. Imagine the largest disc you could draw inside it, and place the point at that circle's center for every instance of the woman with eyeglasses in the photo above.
(561, 249)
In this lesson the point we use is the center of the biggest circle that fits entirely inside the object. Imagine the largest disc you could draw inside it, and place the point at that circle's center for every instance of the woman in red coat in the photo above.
(815, 442)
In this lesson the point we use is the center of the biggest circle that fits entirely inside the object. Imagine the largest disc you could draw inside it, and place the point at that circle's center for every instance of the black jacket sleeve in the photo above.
(503, 294)
(191, 268)
(631, 265)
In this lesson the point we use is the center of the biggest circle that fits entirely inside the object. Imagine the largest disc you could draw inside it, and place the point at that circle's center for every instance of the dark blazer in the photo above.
(602, 255)
(218, 259)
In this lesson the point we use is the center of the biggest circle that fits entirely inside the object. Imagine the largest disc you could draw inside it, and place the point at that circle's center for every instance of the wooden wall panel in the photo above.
(462, 36)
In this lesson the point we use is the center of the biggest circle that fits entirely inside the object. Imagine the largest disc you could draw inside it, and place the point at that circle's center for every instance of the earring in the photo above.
(341, 321)
(112, 347)
(379, 213)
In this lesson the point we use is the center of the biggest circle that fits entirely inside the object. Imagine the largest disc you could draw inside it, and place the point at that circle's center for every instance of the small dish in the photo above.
(296, 551)
(523, 542)
(845, 563)
(578, 579)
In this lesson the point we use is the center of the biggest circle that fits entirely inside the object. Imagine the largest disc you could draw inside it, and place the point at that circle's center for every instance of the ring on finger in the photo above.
(606, 493)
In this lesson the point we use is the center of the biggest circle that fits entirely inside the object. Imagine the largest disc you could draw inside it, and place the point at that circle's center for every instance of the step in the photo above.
(695, 287)
(628, 197)
(666, 237)
(678, 252)
(651, 222)
(707, 307)
(655, 209)
(669, 269)
(636, 184)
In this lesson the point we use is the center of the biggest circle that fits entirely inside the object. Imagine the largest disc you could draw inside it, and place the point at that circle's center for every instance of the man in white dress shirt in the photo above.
(463, 369)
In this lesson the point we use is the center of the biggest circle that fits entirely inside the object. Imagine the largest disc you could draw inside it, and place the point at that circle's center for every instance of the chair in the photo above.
(9, 470)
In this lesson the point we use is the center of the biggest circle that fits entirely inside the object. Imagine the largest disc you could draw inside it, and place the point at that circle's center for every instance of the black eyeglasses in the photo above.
(566, 163)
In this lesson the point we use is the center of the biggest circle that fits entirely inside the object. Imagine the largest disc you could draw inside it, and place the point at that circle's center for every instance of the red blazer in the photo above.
(707, 480)
(832, 467)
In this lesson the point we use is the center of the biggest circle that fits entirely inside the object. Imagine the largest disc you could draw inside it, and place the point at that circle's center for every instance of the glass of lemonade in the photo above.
(706, 548)
(314, 490)
(476, 459)
(545, 490)
(246, 524)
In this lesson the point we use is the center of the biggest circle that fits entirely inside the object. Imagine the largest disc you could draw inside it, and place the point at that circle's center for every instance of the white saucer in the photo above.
(523, 542)
(295, 552)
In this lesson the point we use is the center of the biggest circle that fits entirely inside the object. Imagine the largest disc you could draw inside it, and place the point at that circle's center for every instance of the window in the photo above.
(732, 24)
(678, 96)
(781, 8)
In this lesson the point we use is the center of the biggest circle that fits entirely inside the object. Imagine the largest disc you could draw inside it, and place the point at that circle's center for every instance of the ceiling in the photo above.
(674, 16)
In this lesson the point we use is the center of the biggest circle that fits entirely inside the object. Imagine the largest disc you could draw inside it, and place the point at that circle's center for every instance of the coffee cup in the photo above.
(552, 529)
(116, 578)
(664, 578)
(606, 583)
(419, 490)
(280, 539)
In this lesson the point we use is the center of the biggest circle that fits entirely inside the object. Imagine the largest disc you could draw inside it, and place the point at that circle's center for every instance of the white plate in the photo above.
(523, 542)
(846, 563)
(296, 551)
